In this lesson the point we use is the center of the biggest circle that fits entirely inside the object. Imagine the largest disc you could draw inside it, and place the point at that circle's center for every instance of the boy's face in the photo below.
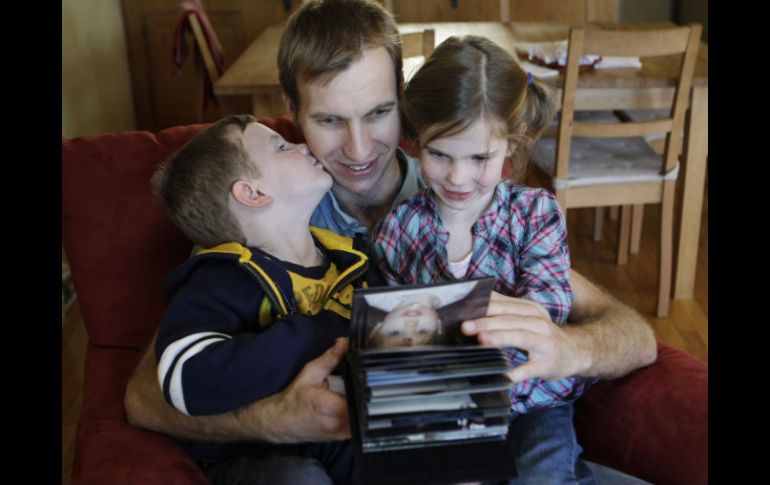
(351, 123)
(287, 169)
(408, 325)
(463, 169)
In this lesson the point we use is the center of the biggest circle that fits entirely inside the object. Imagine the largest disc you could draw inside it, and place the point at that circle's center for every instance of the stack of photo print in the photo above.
(414, 379)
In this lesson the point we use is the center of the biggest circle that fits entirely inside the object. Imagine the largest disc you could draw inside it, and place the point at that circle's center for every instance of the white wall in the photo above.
(96, 82)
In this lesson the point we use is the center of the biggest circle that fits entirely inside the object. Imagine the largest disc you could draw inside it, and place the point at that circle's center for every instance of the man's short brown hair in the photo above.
(323, 37)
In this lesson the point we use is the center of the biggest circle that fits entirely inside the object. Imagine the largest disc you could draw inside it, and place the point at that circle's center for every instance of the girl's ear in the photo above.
(247, 194)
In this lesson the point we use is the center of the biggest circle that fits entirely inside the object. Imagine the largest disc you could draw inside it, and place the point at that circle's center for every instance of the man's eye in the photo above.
(394, 333)
(480, 158)
(330, 121)
(423, 331)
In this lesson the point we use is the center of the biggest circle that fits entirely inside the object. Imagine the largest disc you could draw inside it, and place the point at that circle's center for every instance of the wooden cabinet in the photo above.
(164, 99)
(494, 10)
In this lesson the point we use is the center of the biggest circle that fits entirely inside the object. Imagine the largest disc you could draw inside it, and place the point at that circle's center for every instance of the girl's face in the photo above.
(408, 325)
(463, 169)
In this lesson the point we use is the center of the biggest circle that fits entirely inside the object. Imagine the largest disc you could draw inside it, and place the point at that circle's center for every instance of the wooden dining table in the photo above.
(255, 73)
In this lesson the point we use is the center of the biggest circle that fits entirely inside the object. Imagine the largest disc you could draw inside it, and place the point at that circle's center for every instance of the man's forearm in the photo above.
(612, 337)
(146, 408)
(306, 411)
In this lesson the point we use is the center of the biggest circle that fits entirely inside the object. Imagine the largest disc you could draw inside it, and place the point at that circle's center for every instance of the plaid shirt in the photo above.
(521, 240)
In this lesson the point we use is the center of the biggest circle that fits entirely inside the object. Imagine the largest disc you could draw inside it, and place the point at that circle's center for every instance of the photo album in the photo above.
(418, 389)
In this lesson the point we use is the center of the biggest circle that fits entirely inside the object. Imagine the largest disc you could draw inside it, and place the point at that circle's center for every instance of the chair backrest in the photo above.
(203, 47)
(415, 44)
(642, 43)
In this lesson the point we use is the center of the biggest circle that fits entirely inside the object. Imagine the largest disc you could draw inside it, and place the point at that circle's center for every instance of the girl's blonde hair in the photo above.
(471, 77)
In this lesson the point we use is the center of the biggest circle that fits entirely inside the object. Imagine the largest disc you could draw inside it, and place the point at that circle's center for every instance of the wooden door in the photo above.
(163, 99)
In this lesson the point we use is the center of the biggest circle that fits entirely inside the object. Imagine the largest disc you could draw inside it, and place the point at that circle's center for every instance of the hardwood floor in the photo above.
(635, 284)
(74, 341)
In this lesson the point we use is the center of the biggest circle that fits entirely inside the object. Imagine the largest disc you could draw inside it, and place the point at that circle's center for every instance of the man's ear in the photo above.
(290, 106)
(247, 194)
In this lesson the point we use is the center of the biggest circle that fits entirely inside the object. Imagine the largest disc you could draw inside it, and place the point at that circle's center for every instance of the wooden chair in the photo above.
(213, 71)
(416, 47)
(610, 164)
(416, 44)
(203, 47)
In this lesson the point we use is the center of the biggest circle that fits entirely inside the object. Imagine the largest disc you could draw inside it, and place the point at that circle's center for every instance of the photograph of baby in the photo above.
(386, 318)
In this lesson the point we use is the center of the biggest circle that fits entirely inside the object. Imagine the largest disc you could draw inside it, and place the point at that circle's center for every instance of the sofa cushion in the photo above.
(652, 423)
(107, 448)
(118, 238)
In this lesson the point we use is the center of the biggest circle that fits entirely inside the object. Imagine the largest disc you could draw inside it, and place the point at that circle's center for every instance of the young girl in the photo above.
(469, 108)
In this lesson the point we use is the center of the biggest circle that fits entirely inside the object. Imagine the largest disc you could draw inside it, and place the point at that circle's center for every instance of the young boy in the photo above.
(267, 293)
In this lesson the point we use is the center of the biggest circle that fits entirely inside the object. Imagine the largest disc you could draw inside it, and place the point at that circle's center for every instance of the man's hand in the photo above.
(307, 410)
(526, 325)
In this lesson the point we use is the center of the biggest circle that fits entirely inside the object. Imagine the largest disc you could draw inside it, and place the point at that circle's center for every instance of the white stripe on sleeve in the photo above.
(170, 355)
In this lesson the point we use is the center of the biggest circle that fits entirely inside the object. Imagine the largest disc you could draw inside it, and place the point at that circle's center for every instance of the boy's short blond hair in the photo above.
(194, 184)
(324, 37)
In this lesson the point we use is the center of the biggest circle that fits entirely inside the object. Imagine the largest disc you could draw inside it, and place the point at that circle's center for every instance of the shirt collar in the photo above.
(411, 183)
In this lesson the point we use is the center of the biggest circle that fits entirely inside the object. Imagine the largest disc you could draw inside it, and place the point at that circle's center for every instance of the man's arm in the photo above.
(305, 411)
(606, 338)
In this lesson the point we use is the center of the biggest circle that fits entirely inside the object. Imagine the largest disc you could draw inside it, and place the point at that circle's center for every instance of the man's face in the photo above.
(351, 123)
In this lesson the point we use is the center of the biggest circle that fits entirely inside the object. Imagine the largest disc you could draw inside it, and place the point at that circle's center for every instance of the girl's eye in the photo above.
(381, 112)
(436, 154)
(393, 333)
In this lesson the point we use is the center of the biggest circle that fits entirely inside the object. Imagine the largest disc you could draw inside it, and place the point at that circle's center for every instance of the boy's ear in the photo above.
(247, 194)
(290, 106)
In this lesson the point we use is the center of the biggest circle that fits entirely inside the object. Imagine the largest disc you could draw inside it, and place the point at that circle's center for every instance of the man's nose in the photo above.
(358, 145)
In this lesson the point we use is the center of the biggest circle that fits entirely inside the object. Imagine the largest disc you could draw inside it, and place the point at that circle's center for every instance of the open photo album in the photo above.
(416, 385)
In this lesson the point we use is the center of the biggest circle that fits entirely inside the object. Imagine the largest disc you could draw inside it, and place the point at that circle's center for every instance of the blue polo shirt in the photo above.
(329, 215)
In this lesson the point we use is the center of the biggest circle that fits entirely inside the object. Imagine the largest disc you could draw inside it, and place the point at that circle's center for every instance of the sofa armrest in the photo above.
(107, 448)
(652, 423)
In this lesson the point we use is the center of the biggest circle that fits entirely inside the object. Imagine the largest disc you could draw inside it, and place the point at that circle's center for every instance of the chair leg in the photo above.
(637, 216)
(598, 223)
(624, 233)
(614, 213)
(666, 249)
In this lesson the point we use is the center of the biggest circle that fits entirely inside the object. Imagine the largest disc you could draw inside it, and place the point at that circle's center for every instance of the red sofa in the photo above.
(652, 423)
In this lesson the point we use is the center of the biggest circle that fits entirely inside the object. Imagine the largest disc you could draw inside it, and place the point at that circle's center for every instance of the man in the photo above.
(340, 69)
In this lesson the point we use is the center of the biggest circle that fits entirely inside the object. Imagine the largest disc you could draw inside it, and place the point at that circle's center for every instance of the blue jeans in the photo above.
(547, 452)
(314, 464)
